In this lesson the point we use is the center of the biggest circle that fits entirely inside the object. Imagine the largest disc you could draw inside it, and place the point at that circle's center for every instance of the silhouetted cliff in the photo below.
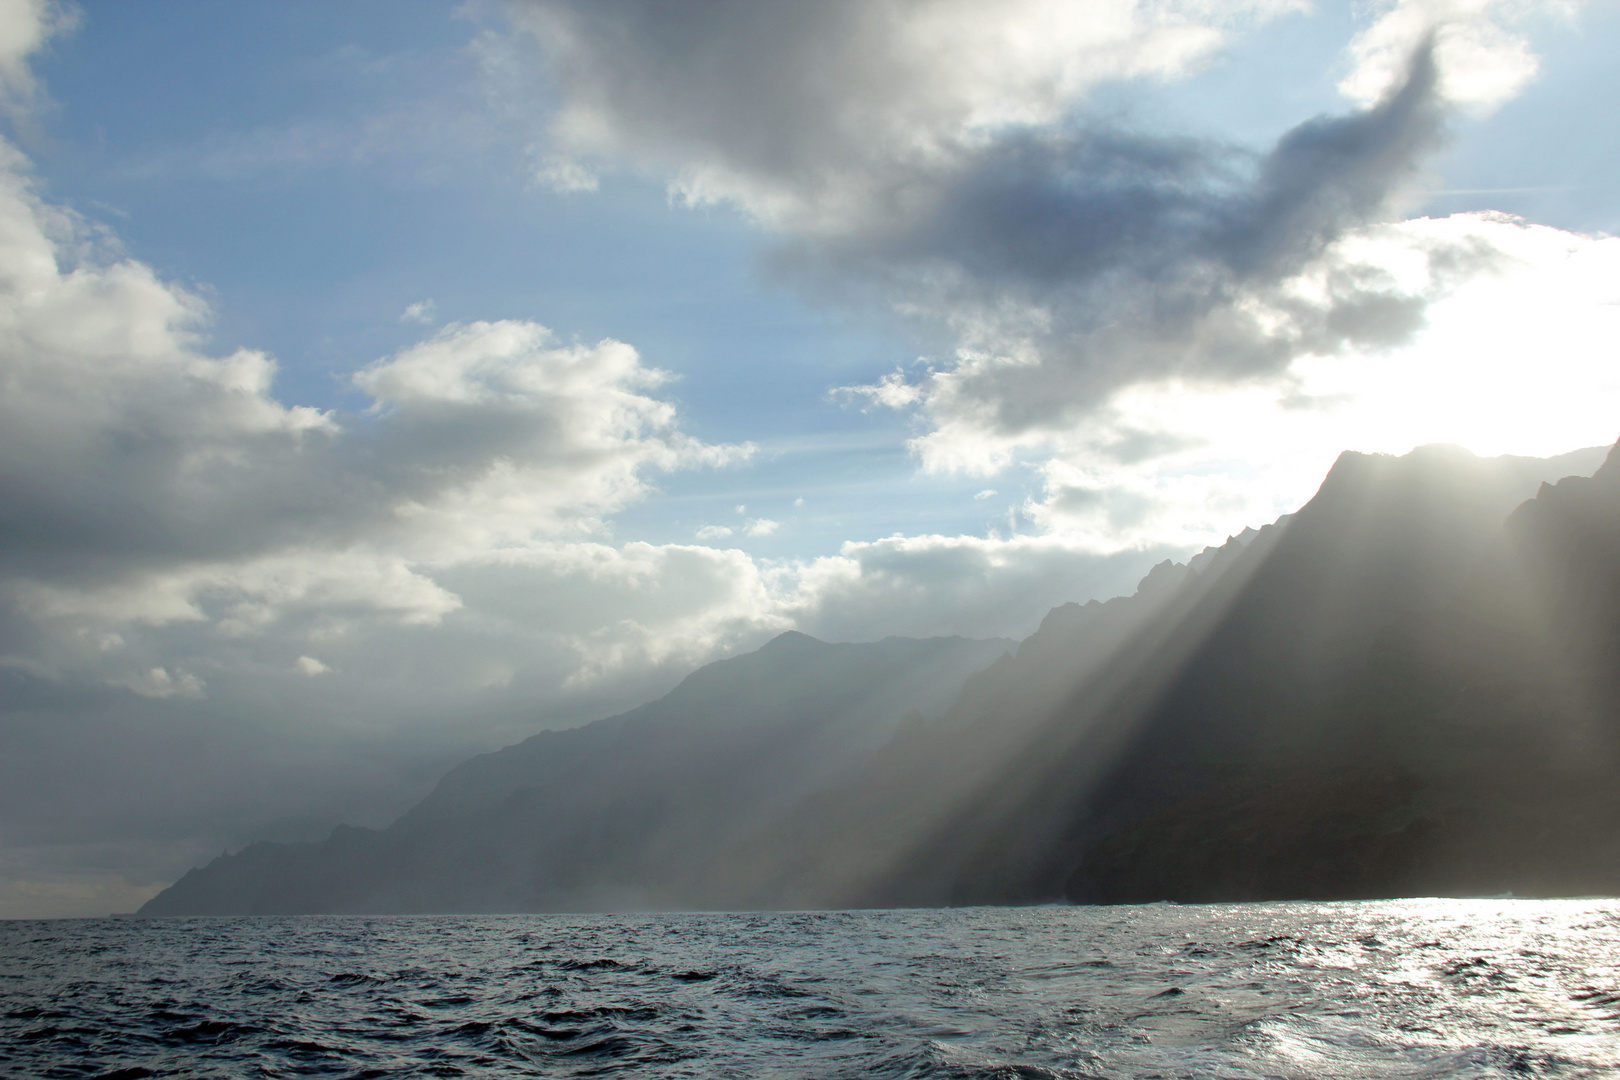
(1469, 744)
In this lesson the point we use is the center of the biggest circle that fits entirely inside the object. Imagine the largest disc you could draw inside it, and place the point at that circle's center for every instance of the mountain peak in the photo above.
(792, 639)
(1609, 471)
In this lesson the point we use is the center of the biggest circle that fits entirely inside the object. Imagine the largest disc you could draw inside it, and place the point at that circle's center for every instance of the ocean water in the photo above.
(1430, 988)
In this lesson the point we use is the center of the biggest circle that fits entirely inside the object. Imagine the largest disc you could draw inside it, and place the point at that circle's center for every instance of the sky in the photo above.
(385, 382)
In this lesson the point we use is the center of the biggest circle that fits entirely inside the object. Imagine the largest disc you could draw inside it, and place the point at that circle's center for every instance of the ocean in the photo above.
(1412, 988)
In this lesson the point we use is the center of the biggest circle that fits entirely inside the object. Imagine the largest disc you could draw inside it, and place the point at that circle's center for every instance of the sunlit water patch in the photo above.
(1436, 988)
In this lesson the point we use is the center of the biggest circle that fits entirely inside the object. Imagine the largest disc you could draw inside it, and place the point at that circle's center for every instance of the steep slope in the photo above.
(1233, 675)
(1469, 747)
(1390, 692)
(864, 843)
(607, 814)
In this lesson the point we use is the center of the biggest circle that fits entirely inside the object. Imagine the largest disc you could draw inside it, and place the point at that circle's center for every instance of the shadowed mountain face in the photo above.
(1453, 728)
(1410, 686)
(1246, 670)
(611, 814)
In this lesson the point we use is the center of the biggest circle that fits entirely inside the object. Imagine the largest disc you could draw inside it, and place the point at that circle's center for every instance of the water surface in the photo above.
(1433, 988)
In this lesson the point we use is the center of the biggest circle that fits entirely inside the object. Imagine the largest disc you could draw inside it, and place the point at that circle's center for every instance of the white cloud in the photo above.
(713, 532)
(174, 504)
(175, 533)
(528, 438)
(1482, 63)
(892, 391)
(161, 683)
(308, 665)
(987, 493)
(1515, 357)
(445, 556)
(565, 176)
(761, 526)
(422, 312)
(25, 26)
(925, 586)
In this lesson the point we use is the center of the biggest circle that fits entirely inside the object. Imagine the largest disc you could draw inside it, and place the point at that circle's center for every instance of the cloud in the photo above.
(155, 486)
(565, 176)
(25, 27)
(925, 586)
(940, 162)
(1481, 62)
(523, 438)
(1514, 356)
(179, 547)
(1067, 266)
(323, 610)
(161, 683)
(422, 312)
(816, 118)
(308, 665)
(281, 617)
(1141, 319)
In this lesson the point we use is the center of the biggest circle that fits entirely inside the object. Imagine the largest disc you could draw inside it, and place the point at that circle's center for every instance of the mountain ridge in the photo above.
(600, 814)
(1272, 719)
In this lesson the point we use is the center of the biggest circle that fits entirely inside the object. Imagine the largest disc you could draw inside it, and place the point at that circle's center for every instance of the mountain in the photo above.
(609, 814)
(1410, 686)
(900, 832)
(1251, 697)
(1468, 744)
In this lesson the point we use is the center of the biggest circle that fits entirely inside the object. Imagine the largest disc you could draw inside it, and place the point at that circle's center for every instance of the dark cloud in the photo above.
(903, 163)
(824, 117)
(772, 83)
(1114, 257)
(1331, 174)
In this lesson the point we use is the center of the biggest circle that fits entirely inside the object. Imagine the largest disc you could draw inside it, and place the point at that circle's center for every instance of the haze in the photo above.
(385, 383)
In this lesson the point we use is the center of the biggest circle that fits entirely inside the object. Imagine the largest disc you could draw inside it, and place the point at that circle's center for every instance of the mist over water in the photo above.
(1418, 988)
